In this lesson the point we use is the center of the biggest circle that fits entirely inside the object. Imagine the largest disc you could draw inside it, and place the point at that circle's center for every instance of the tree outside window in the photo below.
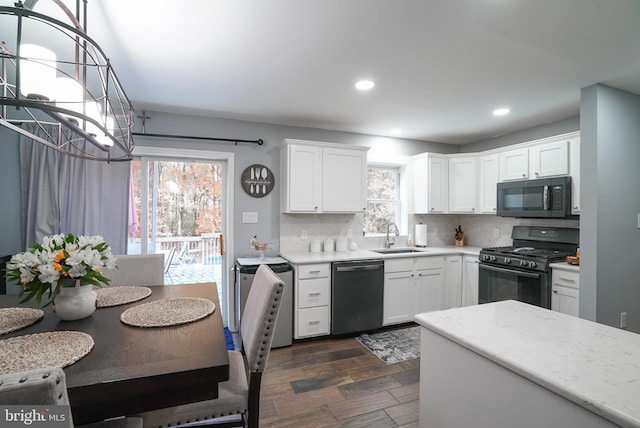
(383, 198)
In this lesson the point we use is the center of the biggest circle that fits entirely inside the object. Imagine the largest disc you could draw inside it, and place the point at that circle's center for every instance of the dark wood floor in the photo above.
(337, 383)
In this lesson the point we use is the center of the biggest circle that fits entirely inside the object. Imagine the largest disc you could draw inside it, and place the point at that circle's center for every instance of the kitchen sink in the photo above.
(397, 250)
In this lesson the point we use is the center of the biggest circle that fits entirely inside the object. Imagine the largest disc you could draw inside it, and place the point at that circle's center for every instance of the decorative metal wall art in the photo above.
(257, 180)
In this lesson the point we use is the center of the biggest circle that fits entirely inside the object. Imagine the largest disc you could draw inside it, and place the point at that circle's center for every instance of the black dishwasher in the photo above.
(357, 295)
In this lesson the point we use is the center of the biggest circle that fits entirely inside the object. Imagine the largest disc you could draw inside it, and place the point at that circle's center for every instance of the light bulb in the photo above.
(38, 72)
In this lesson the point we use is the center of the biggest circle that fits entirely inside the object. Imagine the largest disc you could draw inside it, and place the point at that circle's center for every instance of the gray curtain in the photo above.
(64, 194)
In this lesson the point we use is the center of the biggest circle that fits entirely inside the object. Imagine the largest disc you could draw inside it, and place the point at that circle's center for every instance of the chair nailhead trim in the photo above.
(23, 380)
(46, 375)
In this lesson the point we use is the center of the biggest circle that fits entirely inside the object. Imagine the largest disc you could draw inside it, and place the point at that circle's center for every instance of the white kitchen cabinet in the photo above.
(470, 272)
(514, 164)
(312, 300)
(453, 282)
(462, 184)
(429, 183)
(550, 159)
(488, 184)
(565, 291)
(412, 285)
(574, 170)
(322, 177)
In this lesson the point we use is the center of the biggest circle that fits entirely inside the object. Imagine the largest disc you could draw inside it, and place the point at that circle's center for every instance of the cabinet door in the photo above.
(305, 179)
(398, 298)
(488, 181)
(514, 164)
(430, 290)
(436, 192)
(344, 180)
(574, 170)
(565, 300)
(470, 274)
(420, 180)
(462, 185)
(453, 282)
(551, 159)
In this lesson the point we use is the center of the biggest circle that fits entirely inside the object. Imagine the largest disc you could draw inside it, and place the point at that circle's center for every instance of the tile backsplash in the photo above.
(480, 230)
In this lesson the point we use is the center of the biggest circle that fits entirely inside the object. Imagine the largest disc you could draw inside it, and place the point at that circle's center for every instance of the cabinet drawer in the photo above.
(565, 278)
(313, 292)
(398, 265)
(313, 322)
(314, 271)
(429, 262)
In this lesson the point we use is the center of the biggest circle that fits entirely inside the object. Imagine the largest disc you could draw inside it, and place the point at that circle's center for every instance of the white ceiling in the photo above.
(440, 66)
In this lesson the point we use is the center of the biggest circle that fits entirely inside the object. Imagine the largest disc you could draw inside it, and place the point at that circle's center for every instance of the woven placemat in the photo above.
(168, 312)
(12, 319)
(115, 296)
(41, 350)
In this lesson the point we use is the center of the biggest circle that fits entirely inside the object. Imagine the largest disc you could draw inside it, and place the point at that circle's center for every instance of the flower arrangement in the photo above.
(45, 266)
(256, 245)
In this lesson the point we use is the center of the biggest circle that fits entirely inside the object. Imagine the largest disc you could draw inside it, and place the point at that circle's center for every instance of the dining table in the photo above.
(136, 369)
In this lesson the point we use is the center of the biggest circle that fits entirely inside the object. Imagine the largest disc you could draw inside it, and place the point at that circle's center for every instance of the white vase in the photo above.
(74, 303)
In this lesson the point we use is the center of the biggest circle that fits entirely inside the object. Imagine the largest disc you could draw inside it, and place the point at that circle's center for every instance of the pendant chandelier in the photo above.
(53, 73)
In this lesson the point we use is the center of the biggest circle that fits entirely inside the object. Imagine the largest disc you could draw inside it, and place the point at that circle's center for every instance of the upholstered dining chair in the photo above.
(240, 395)
(48, 387)
(137, 269)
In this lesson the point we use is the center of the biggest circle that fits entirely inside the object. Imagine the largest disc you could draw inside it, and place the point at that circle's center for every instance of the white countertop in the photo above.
(593, 365)
(339, 256)
(565, 266)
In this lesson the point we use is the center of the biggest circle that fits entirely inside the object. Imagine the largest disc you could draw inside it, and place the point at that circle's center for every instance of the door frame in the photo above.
(228, 211)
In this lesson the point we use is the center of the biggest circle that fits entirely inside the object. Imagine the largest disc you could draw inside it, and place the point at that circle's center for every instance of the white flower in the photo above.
(26, 275)
(110, 262)
(48, 274)
(77, 271)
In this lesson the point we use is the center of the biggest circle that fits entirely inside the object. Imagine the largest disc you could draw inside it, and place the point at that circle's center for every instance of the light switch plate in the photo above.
(249, 217)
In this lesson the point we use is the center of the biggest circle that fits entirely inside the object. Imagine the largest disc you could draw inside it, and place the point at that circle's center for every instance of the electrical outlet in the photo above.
(435, 231)
(303, 234)
(623, 320)
(496, 232)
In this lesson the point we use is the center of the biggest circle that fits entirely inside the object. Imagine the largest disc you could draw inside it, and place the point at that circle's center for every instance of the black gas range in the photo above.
(521, 271)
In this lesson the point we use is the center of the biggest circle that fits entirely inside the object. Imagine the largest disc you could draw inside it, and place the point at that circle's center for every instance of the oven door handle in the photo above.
(511, 271)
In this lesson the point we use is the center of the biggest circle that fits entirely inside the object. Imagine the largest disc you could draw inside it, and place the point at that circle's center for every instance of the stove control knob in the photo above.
(494, 258)
(532, 264)
(485, 257)
(523, 263)
(507, 260)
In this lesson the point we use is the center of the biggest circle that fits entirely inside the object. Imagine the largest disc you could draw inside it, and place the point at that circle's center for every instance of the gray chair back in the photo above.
(137, 269)
(259, 317)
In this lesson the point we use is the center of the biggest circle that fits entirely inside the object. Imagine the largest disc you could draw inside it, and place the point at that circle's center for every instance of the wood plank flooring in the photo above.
(337, 383)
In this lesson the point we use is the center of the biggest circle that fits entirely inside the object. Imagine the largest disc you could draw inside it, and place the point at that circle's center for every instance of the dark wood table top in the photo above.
(132, 369)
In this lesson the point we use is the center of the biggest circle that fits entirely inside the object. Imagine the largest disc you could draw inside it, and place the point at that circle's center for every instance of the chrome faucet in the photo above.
(388, 243)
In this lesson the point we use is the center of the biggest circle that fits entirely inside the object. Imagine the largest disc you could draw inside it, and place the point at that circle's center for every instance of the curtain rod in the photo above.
(188, 137)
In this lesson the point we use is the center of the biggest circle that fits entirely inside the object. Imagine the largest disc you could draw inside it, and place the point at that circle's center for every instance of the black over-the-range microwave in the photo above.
(542, 198)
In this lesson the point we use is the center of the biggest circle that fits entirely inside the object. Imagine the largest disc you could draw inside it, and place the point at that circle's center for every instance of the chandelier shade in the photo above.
(52, 72)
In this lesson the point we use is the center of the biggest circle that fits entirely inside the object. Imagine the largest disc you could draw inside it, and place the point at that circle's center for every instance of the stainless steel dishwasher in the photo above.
(357, 295)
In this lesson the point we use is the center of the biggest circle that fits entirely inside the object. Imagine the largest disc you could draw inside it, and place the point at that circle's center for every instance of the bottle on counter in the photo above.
(410, 241)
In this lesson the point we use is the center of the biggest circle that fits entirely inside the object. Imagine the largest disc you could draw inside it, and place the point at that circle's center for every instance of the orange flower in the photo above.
(59, 256)
(57, 266)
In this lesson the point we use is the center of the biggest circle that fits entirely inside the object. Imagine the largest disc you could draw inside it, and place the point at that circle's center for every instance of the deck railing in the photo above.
(203, 249)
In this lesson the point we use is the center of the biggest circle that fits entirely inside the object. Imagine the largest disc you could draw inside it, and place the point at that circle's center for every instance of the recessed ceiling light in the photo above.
(365, 85)
(501, 111)
(396, 131)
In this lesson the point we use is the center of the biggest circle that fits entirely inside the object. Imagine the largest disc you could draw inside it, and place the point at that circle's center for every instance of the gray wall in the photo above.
(10, 226)
(609, 235)
(543, 131)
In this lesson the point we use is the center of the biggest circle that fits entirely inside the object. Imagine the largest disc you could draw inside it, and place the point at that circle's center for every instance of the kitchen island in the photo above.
(510, 364)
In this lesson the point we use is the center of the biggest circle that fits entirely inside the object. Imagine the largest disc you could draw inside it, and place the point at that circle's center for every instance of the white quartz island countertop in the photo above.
(593, 365)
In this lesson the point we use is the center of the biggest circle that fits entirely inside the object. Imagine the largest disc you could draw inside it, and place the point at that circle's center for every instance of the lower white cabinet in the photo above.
(565, 291)
(412, 285)
(453, 282)
(470, 271)
(312, 300)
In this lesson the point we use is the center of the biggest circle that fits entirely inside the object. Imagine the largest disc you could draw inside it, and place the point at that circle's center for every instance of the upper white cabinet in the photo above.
(487, 201)
(429, 183)
(514, 164)
(322, 177)
(550, 159)
(462, 184)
